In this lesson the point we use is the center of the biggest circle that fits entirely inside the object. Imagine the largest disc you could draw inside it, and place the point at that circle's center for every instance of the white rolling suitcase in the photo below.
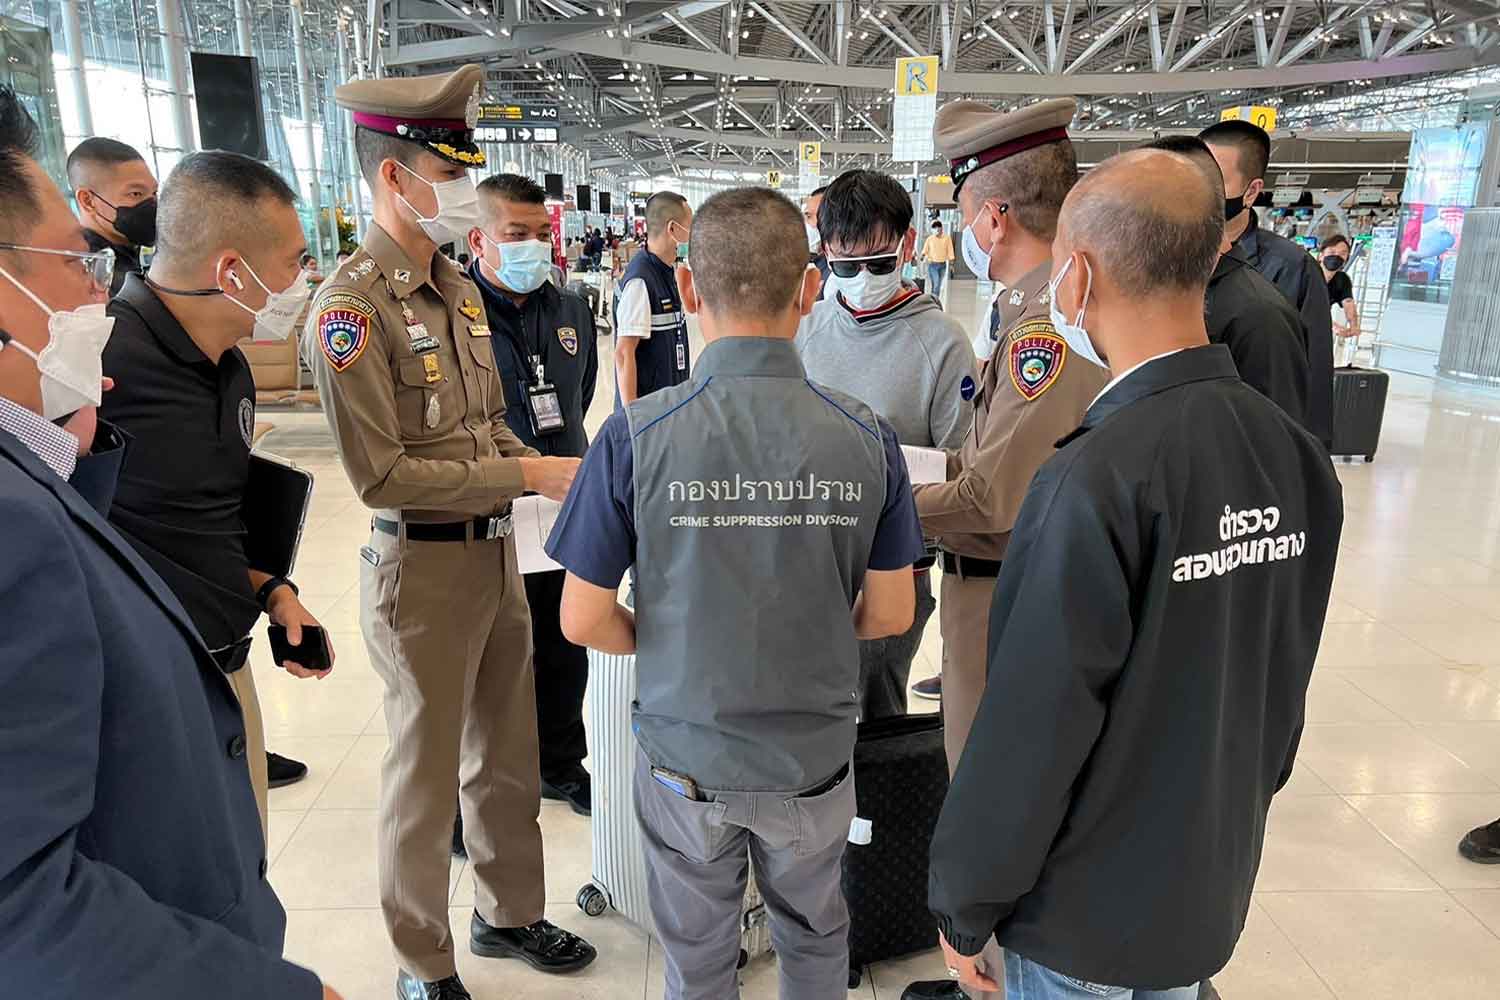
(619, 866)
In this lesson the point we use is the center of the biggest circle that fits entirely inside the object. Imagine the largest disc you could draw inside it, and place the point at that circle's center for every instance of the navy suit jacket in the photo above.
(131, 858)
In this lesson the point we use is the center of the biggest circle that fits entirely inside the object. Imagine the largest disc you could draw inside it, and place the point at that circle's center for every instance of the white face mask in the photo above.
(814, 238)
(866, 291)
(457, 208)
(71, 366)
(975, 256)
(278, 317)
(1076, 336)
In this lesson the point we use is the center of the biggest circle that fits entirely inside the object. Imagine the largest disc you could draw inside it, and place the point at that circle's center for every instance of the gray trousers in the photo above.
(697, 864)
(885, 664)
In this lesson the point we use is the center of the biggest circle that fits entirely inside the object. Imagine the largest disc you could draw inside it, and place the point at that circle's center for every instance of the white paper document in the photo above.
(532, 518)
(926, 465)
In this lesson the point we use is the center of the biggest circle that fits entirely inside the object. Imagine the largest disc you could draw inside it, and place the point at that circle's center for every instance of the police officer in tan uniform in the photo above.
(407, 376)
(1011, 172)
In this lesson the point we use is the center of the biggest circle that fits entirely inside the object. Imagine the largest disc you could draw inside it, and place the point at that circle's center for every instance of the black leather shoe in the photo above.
(459, 851)
(282, 771)
(544, 946)
(1482, 844)
(934, 989)
(409, 987)
(573, 787)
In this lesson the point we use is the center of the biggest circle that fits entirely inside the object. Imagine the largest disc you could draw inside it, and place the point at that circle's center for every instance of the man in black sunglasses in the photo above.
(882, 341)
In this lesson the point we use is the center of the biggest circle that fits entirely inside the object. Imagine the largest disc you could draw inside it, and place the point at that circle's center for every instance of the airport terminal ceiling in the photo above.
(657, 86)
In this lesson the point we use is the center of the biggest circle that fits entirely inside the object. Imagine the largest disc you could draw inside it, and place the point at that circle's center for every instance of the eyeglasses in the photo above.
(98, 265)
(848, 267)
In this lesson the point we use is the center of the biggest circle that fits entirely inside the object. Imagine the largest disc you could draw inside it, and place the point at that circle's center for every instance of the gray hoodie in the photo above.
(908, 360)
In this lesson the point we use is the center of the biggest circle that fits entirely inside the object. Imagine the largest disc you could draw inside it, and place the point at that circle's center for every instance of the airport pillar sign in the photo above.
(1254, 113)
(810, 164)
(773, 179)
(914, 110)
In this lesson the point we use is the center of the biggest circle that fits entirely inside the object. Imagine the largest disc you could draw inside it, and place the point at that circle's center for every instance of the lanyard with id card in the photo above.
(542, 404)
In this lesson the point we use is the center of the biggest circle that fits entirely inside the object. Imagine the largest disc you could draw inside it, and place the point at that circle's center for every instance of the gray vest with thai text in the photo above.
(757, 496)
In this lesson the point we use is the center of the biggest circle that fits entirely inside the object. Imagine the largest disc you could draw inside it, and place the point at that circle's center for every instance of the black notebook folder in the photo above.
(275, 512)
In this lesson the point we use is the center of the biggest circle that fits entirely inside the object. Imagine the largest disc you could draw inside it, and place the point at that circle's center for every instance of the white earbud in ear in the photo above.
(235, 280)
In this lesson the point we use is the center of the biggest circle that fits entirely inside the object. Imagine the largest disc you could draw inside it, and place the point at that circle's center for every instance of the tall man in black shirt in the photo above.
(116, 197)
(1153, 631)
(547, 355)
(1244, 151)
(228, 263)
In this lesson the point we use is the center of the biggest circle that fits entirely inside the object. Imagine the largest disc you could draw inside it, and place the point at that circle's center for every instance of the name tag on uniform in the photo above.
(421, 341)
(478, 330)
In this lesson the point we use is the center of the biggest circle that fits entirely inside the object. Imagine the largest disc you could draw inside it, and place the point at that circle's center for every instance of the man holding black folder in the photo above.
(185, 394)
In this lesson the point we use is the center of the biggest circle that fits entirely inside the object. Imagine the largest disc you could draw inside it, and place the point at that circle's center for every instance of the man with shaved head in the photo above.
(1153, 631)
(771, 525)
(228, 265)
(116, 197)
(1247, 314)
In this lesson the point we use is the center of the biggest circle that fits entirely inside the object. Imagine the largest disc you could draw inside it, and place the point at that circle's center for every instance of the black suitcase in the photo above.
(900, 778)
(1358, 410)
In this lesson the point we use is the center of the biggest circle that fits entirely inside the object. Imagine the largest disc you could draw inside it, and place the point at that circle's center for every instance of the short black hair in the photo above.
(1251, 143)
(936, 224)
(212, 199)
(18, 135)
(373, 148)
(749, 252)
(1334, 241)
(514, 187)
(819, 190)
(1034, 183)
(97, 151)
(864, 205)
(662, 208)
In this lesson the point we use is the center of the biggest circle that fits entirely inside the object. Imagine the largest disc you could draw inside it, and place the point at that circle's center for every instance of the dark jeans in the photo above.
(885, 664)
(562, 674)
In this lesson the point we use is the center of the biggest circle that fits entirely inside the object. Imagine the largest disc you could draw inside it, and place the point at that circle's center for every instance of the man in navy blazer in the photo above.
(131, 860)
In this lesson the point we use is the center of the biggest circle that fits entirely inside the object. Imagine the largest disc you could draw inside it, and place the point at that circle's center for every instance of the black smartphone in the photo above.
(312, 654)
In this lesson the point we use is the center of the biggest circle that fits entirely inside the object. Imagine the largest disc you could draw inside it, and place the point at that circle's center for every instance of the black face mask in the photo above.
(1333, 262)
(137, 223)
(1233, 207)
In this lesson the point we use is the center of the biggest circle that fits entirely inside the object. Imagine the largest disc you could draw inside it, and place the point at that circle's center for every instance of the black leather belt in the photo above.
(969, 566)
(826, 786)
(232, 657)
(485, 529)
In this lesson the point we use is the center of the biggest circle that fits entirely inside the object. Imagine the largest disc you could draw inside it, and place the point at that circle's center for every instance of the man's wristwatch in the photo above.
(269, 587)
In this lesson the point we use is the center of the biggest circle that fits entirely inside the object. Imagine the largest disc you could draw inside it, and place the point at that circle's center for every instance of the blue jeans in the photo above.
(1026, 980)
(935, 274)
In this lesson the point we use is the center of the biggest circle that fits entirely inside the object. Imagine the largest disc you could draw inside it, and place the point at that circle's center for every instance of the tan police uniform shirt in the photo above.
(1032, 392)
(416, 407)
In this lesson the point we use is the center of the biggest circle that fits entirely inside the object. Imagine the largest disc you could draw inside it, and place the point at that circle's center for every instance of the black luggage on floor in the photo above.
(900, 778)
(1358, 410)
(921, 284)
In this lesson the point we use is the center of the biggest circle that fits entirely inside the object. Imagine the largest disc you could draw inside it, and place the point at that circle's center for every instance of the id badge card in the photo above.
(681, 353)
(545, 409)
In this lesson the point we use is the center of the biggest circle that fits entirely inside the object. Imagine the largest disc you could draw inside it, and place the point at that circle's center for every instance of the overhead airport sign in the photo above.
(1254, 113)
(810, 152)
(518, 114)
(773, 178)
(545, 134)
(914, 110)
(809, 165)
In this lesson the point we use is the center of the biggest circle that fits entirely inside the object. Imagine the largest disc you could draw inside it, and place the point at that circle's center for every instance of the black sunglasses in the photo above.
(848, 267)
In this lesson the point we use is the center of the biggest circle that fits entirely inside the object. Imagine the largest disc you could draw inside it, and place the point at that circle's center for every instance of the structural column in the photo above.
(346, 121)
(242, 26)
(73, 37)
(175, 57)
(309, 112)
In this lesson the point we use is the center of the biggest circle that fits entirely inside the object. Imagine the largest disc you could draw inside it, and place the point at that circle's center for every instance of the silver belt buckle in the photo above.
(497, 527)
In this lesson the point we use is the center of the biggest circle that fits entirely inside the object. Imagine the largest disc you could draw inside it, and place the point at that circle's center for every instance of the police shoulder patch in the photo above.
(1037, 355)
(343, 326)
(568, 337)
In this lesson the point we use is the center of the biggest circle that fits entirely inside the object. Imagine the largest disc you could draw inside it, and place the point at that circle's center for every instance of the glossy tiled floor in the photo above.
(1362, 895)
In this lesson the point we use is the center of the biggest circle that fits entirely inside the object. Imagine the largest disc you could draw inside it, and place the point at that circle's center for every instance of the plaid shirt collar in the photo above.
(46, 440)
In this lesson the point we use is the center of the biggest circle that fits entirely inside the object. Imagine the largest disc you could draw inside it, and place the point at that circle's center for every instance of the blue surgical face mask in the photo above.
(1073, 333)
(524, 265)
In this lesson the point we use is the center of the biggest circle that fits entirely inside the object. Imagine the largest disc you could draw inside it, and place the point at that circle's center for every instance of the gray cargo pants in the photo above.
(697, 864)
